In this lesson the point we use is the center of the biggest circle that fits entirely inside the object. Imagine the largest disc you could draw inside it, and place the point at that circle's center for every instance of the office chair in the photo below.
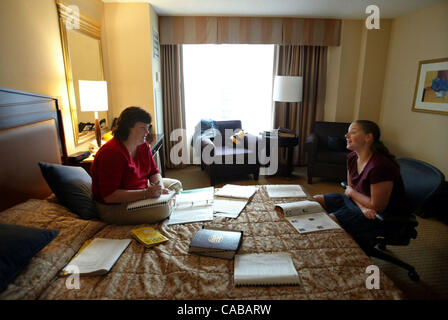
(421, 181)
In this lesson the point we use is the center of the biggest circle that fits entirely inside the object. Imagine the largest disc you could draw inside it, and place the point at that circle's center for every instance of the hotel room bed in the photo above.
(330, 263)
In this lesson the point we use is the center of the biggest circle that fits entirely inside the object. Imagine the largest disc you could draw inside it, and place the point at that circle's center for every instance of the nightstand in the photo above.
(284, 142)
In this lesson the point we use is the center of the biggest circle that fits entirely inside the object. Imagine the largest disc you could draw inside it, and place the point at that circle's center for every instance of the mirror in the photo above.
(81, 46)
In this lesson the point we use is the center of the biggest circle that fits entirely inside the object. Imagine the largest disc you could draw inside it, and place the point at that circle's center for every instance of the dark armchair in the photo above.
(224, 158)
(326, 151)
(421, 181)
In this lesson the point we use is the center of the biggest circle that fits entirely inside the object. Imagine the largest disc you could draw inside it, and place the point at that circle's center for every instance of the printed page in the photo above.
(191, 214)
(99, 256)
(284, 191)
(312, 222)
(228, 208)
(236, 191)
(265, 269)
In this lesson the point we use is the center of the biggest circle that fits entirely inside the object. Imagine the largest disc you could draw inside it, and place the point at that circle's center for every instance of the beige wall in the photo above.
(342, 74)
(421, 35)
(128, 32)
(31, 55)
(355, 73)
(371, 72)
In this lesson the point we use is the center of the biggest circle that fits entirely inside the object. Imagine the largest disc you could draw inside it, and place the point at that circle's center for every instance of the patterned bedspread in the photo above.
(330, 264)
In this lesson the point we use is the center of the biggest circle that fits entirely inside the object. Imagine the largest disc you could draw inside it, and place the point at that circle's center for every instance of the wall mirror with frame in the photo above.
(83, 60)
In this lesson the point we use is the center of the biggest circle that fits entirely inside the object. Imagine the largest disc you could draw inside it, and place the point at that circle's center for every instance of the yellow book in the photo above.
(148, 236)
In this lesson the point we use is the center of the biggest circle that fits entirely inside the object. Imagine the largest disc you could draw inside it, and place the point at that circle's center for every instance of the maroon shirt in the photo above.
(379, 168)
(114, 168)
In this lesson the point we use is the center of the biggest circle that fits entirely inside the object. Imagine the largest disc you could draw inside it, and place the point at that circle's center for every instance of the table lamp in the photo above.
(287, 89)
(93, 97)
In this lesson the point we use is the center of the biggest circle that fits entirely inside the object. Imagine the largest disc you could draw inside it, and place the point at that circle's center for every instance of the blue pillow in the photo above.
(73, 188)
(18, 245)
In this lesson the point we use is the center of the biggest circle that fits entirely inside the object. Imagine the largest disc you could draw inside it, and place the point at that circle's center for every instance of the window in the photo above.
(229, 82)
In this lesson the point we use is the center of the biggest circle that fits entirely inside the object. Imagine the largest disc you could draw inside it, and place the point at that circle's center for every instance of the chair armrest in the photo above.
(208, 143)
(311, 142)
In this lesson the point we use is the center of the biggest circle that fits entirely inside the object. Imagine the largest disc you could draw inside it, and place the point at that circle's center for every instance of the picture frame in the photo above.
(431, 88)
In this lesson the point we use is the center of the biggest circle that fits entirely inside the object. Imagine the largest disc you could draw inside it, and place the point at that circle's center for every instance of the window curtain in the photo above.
(173, 101)
(310, 62)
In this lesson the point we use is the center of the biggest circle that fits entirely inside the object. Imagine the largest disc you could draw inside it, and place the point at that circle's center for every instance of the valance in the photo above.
(249, 30)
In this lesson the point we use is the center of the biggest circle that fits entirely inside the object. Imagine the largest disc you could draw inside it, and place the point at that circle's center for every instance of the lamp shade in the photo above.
(287, 89)
(93, 95)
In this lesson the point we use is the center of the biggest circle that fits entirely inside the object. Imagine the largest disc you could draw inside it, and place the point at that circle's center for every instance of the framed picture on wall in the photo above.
(431, 89)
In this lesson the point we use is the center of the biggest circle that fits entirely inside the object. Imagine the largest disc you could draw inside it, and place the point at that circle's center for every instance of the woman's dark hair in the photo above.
(127, 119)
(377, 145)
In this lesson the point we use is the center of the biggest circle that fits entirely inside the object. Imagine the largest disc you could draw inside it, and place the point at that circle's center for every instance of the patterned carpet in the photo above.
(428, 253)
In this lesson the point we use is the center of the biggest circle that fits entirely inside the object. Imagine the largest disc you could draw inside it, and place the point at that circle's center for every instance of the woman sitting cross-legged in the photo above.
(374, 184)
(124, 170)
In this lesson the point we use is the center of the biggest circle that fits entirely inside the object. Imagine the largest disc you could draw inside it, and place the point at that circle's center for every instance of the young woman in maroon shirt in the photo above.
(375, 187)
(124, 170)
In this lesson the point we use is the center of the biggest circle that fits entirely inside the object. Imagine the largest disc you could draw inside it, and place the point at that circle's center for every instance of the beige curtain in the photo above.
(173, 99)
(310, 62)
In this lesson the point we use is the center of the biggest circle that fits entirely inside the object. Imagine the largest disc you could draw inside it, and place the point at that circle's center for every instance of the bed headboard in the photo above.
(30, 131)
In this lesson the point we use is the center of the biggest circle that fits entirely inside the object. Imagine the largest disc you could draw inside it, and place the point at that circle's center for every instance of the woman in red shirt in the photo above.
(124, 170)
(375, 187)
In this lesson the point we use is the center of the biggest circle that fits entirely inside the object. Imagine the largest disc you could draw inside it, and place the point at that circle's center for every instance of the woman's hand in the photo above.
(154, 191)
(369, 213)
(349, 191)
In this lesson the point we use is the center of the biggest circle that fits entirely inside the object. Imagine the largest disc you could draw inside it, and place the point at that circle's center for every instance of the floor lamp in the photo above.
(93, 97)
(287, 89)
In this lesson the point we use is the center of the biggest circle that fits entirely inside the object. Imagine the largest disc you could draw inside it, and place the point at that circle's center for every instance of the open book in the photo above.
(284, 191)
(164, 199)
(264, 269)
(306, 216)
(193, 206)
(97, 257)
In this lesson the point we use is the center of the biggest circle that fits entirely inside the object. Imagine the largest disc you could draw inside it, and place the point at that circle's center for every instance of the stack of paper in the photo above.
(97, 257)
(264, 269)
(284, 191)
(236, 191)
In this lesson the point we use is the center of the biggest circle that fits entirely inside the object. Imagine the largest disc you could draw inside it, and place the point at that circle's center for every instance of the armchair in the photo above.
(220, 157)
(421, 181)
(326, 151)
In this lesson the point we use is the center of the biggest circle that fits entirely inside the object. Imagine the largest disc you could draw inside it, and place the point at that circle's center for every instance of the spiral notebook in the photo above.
(164, 199)
(264, 269)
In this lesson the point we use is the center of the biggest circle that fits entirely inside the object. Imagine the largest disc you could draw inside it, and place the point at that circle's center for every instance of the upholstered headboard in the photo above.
(30, 131)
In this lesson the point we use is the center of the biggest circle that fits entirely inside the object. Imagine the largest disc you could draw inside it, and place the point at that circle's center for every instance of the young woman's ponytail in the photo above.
(377, 145)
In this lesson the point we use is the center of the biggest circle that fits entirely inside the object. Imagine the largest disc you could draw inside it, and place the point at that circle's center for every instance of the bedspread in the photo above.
(330, 264)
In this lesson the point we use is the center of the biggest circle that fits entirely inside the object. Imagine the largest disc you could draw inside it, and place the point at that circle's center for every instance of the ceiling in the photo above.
(343, 9)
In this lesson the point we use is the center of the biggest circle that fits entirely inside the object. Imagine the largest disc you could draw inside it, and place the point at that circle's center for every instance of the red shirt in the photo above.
(379, 168)
(114, 168)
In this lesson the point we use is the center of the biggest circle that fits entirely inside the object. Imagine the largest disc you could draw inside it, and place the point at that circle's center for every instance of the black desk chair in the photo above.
(421, 181)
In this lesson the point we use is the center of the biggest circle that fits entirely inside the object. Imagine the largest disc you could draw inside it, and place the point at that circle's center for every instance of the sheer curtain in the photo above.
(310, 62)
(229, 82)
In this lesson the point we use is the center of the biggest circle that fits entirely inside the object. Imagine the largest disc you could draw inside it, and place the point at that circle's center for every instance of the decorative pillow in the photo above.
(336, 143)
(72, 187)
(238, 137)
(18, 245)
